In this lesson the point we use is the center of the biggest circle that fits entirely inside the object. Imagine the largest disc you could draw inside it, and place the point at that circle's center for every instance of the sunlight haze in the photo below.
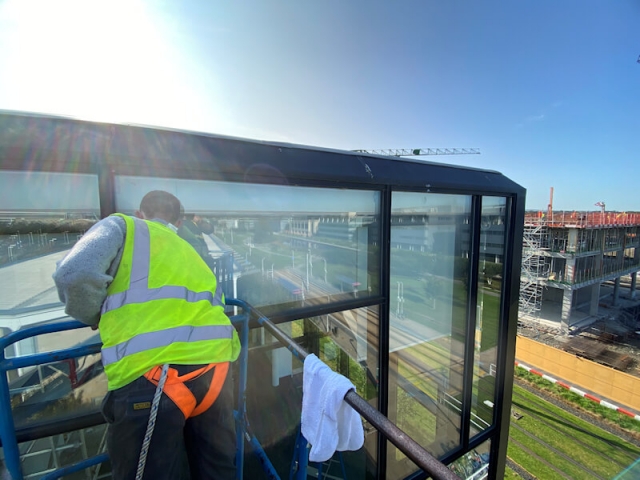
(548, 91)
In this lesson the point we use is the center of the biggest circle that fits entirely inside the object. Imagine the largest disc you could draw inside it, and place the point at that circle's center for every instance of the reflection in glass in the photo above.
(430, 241)
(473, 464)
(57, 390)
(42, 216)
(347, 341)
(49, 453)
(276, 244)
(492, 234)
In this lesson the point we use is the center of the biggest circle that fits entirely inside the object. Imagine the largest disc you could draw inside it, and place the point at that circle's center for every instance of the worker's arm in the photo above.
(82, 277)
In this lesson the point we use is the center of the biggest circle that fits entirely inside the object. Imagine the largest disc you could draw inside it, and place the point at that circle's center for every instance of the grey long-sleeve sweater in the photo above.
(84, 274)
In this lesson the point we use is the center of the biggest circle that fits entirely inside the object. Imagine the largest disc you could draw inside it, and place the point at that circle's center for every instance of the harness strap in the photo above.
(219, 376)
(180, 394)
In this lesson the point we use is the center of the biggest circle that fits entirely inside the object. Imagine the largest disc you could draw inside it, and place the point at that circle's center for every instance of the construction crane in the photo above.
(417, 152)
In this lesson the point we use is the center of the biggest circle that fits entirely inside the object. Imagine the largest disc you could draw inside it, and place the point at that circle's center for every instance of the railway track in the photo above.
(543, 415)
(574, 435)
(555, 451)
(540, 459)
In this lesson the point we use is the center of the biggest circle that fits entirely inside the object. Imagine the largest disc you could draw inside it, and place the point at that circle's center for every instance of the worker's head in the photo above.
(162, 205)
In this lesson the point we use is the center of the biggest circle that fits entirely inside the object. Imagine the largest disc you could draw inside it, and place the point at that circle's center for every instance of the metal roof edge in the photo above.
(242, 139)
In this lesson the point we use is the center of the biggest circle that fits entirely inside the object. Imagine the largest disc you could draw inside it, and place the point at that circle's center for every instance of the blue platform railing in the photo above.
(7, 425)
(424, 460)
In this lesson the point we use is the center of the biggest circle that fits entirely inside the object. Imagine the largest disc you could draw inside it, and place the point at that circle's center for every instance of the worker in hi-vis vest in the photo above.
(156, 303)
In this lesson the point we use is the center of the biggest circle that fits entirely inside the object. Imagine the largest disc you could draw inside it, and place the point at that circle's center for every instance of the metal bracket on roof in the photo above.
(366, 167)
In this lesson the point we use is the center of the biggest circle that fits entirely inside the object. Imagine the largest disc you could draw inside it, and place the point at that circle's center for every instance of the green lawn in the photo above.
(550, 433)
(510, 474)
(605, 413)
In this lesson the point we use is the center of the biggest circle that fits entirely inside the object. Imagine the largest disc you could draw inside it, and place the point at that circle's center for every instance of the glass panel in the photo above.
(430, 241)
(492, 235)
(44, 455)
(41, 218)
(57, 390)
(346, 341)
(473, 465)
(278, 244)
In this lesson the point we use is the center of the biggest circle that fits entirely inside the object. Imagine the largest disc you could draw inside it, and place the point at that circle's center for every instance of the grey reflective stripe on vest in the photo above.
(139, 291)
(130, 296)
(162, 338)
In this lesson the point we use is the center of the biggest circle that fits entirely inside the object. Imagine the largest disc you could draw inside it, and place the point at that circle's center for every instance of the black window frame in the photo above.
(109, 150)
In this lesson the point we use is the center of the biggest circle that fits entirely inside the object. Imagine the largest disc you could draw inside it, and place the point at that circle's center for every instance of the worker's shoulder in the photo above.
(112, 222)
(111, 227)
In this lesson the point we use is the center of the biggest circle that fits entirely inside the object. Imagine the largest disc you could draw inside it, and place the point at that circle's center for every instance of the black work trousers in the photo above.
(201, 447)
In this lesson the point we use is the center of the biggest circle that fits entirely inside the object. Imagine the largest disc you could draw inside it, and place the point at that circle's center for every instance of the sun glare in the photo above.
(97, 60)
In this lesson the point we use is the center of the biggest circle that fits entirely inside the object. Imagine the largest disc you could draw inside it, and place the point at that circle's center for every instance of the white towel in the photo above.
(328, 422)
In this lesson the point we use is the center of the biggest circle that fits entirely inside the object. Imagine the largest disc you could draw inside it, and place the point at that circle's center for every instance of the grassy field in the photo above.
(545, 441)
(607, 414)
(510, 474)
(549, 442)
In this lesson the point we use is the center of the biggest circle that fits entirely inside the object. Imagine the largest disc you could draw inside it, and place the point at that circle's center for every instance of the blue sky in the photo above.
(548, 90)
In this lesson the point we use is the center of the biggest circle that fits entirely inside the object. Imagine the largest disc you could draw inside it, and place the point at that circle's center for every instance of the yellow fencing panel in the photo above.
(619, 387)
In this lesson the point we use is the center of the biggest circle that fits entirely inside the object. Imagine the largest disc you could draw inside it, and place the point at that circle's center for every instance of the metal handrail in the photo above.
(7, 425)
(427, 462)
(423, 459)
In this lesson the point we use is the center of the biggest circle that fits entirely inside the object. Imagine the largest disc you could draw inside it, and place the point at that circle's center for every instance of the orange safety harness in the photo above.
(180, 394)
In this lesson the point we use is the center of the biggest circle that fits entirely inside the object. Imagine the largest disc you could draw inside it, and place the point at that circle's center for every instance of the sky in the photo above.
(548, 91)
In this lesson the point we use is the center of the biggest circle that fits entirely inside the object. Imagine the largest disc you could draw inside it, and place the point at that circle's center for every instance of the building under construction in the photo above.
(569, 257)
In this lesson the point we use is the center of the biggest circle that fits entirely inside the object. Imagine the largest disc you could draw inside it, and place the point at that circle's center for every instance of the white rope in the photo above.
(142, 461)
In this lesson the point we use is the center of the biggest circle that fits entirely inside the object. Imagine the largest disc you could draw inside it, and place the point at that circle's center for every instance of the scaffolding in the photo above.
(535, 268)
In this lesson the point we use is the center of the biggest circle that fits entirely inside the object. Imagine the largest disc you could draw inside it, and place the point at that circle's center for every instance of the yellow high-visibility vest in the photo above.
(156, 313)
